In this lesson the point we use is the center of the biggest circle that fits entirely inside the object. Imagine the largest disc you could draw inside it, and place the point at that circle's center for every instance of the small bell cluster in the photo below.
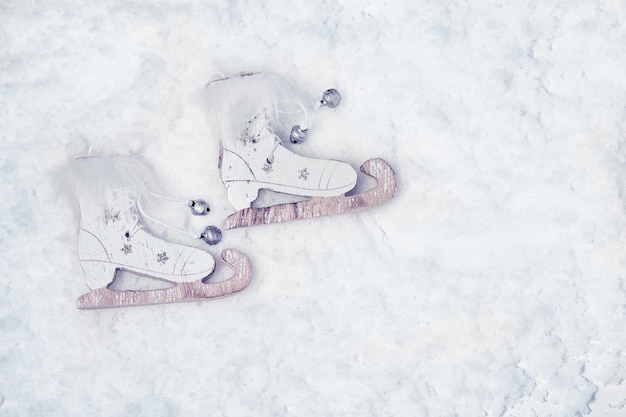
(212, 235)
(331, 99)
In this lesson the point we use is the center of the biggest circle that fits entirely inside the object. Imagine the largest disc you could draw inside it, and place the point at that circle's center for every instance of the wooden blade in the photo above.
(385, 189)
(185, 291)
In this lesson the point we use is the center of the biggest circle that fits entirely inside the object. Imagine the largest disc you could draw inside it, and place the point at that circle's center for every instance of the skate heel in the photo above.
(241, 194)
(98, 274)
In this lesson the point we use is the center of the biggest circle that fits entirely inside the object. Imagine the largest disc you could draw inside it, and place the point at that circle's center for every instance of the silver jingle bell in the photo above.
(330, 98)
(199, 207)
(212, 235)
(297, 135)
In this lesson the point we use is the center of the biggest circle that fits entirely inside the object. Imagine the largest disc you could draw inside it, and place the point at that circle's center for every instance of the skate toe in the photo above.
(199, 264)
(342, 179)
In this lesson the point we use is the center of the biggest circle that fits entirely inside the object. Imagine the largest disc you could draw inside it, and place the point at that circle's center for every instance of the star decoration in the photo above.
(304, 173)
(127, 249)
(110, 215)
(162, 258)
(244, 137)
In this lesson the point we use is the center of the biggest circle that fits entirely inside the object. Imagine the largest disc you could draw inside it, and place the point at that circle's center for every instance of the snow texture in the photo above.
(493, 284)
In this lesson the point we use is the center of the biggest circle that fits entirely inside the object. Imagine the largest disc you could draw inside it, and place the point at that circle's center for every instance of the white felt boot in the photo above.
(250, 114)
(120, 241)
(258, 160)
(113, 236)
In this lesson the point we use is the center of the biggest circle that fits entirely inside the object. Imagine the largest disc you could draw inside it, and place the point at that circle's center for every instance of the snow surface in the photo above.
(493, 284)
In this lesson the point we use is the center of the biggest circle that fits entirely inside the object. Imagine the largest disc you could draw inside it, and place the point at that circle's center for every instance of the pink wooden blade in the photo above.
(385, 189)
(186, 291)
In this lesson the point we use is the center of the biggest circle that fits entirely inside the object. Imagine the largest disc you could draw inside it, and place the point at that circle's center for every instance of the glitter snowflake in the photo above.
(110, 215)
(127, 249)
(162, 258)
(304, 173)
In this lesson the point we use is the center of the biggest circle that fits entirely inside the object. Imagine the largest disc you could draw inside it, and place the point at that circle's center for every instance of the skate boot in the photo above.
(113, 235)
(251, 113)
(256, 111)
(258, 160)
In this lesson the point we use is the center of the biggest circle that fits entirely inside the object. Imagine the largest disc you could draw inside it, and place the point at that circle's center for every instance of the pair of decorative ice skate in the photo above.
(253, 111)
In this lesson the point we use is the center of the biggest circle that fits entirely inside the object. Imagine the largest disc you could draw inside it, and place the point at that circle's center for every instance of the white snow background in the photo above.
(493, 284)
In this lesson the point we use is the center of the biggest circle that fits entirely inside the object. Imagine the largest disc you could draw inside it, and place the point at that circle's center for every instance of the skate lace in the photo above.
(270, 156)
(278, 141)
(198, 207)
(145, 215)
(211, 234)
(136, 227)
(130, 213)
(305, 123)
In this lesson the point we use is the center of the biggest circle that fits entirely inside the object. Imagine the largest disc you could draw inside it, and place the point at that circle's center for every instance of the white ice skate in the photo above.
(258, 160)
(252, 111)
(118, 240)
(113, 237)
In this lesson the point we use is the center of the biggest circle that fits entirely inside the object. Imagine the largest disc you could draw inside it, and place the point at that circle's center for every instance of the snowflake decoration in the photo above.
(162, 258)
(304, 173)
(127, 249)
(110, 215)
(244, 137)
